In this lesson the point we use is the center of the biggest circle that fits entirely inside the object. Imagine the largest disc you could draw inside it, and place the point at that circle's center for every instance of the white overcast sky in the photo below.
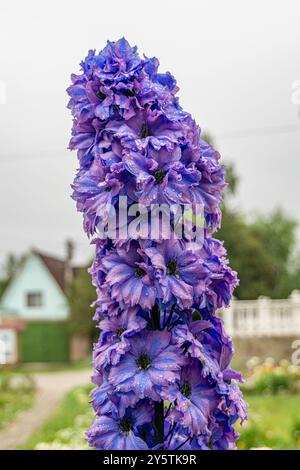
(235, 63)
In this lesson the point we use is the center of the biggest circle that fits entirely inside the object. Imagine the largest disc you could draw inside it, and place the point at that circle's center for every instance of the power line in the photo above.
(235, 134)
(18, 157)
(260, 131)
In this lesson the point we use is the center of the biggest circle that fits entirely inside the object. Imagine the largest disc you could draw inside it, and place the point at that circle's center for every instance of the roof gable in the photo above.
(34, 276)
(56, 267)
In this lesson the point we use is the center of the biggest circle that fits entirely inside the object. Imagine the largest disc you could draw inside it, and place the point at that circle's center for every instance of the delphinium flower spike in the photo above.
(162, 362)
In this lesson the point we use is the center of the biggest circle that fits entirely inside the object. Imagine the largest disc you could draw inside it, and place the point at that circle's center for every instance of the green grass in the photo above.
(274, 421)
(65, 428)
(16, 394)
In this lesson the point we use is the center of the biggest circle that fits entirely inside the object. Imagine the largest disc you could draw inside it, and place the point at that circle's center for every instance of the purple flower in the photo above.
(113, 432)
(115, 335)
(130, 276)
(106, 303)
(232, 403)
(103, 88)
(84, 136)
(151, 364)
(195, 400)
(177, 271)
(194, 347)
(217, 289)
(117, 62)
(100, 399)
(209, 191)
(183, 440)
(95, 191)
(161, 177)
(106, 400)
(149, 127)
(217, 344)
(222, 436)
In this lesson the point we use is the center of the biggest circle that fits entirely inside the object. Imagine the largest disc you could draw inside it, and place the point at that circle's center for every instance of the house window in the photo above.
(7, 346)
(34, 299)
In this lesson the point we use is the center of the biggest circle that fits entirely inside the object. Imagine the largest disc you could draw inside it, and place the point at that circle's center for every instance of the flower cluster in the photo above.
(162, 362)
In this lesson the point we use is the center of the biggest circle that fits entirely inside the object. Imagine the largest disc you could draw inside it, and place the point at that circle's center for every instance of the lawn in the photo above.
(16, 394)
(274, 422)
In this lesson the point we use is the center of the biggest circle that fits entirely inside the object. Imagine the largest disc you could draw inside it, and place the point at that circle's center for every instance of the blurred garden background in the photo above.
(272, 392)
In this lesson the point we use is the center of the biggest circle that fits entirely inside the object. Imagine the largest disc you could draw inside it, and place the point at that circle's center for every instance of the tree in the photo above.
(277, 234)
(11, 265)
(81, 295)
(262, 251)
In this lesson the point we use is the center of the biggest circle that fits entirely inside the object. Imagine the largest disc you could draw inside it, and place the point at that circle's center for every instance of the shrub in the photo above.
(268, 377)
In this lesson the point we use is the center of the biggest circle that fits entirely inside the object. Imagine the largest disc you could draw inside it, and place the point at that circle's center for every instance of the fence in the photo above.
(263, 317)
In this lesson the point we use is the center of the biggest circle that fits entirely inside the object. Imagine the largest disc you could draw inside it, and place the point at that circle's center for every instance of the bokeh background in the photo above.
(237, 66)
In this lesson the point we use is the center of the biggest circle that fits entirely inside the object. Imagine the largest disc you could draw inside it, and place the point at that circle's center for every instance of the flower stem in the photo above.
(155, 316)
(168, 410)
(184, 442)
(170, 317)
(159, 421)
(158, 406)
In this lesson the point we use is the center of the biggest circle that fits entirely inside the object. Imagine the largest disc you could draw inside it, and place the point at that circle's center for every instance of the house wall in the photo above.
(8, 346)
(34, 276)
(45, 342)
(79, 347)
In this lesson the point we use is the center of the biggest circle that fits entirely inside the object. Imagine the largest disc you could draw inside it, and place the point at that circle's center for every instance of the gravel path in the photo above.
(51, 387)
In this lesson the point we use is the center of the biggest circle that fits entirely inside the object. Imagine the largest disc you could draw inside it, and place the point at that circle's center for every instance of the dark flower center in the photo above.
(144, 362)
(130, 92)
(172, 268)
(139, 272)
(119, 332)
(159, 176)
(186, 346)
(108, 188)
(125, 425)
(100, 95)
(145, 131)
(186, 390)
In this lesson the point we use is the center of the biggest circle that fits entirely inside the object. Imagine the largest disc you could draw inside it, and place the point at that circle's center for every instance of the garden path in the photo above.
(51, 387)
